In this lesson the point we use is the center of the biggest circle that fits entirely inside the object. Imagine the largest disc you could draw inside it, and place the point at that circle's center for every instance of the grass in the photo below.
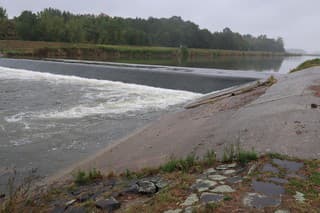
(234, 153)
(183, 164)
(307, 64)
(83, 178)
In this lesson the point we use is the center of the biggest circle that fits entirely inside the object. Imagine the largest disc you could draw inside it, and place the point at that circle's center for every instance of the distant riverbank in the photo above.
(127, 54)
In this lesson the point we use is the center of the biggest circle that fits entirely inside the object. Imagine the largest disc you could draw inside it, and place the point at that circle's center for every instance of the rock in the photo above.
(232, 165)
(255, 200)
(84, 197)
(299, 197)
(266, 188)
(210, 198)
(70, 203)
(147, 187)
(108, 204)
(229, 172)
(203, 185)
(191, 200)
(210, 171)
(161, 184)
(217, 177)
(133, 189)
(174, 211)
(290, 166)
(223, 189)
(234, 180)
(78, 209)
(269, 168)
(282, 211)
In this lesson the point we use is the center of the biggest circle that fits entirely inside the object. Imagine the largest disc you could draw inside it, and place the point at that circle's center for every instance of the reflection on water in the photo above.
(278, 64)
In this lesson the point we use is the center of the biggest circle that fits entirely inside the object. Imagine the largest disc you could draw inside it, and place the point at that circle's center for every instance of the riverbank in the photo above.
(123, 54)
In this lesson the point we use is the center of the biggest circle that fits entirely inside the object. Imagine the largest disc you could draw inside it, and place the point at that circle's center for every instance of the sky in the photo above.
(295, 21)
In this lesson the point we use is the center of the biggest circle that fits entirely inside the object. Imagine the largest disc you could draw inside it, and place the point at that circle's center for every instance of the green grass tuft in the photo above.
(83, 178)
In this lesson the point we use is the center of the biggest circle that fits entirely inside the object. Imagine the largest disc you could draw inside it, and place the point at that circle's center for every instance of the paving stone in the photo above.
(255, 200)
(108, 204)
(266, 188)
(217, 177)
(223, 189)
(174, 211)
(203, 185)
(226, 166)
(270, 168)
(229, 172)
(290, 166)
(234, 180)
(191, 200)
(210, 171)
(278, 180)
(299, 197)
(211, 198)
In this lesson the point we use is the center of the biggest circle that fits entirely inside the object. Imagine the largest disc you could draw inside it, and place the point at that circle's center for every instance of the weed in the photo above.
(245, 157)
(236, 153)
(82, 178)
(210, 157)
(179, 165)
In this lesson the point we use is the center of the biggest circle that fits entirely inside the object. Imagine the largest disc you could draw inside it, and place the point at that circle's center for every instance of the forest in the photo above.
(61, 26)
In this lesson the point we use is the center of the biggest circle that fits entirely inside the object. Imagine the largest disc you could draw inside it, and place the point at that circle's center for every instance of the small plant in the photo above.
(179, 165)
(247, 156)
(235, 153)
(229, 154)
(82, 178)
(210, 157)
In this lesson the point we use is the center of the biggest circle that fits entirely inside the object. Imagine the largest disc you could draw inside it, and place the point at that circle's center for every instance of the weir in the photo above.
(177, 78)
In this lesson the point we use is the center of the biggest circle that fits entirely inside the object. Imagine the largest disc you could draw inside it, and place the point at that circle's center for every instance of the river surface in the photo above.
(54, 114)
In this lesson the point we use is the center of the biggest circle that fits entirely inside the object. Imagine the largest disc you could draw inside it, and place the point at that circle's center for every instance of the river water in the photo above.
(54, 114)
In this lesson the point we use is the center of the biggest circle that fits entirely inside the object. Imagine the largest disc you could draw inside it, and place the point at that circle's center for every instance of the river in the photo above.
(53, 114)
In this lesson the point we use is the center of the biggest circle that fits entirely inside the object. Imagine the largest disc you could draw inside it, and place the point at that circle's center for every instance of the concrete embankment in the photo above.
(283, 118)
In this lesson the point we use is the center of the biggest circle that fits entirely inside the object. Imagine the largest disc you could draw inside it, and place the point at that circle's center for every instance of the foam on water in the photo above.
(97, 96)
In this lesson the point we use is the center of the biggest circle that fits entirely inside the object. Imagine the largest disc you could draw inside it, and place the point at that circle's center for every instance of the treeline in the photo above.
(55, 25)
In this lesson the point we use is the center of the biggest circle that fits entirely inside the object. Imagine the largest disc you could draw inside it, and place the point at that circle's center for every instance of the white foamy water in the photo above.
(95, 96)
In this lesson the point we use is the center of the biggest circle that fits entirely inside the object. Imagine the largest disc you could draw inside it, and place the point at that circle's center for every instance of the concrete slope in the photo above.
(276, 119)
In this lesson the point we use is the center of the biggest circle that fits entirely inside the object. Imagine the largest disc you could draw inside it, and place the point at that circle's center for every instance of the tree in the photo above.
(27, 26)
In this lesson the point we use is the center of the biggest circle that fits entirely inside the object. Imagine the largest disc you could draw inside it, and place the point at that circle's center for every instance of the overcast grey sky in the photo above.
(296, 21)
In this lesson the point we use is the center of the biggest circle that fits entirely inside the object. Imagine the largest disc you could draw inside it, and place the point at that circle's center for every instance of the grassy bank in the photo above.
(307, 64)
(131, 54)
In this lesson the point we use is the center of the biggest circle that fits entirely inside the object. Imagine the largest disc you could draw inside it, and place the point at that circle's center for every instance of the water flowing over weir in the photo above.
(54, 114)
